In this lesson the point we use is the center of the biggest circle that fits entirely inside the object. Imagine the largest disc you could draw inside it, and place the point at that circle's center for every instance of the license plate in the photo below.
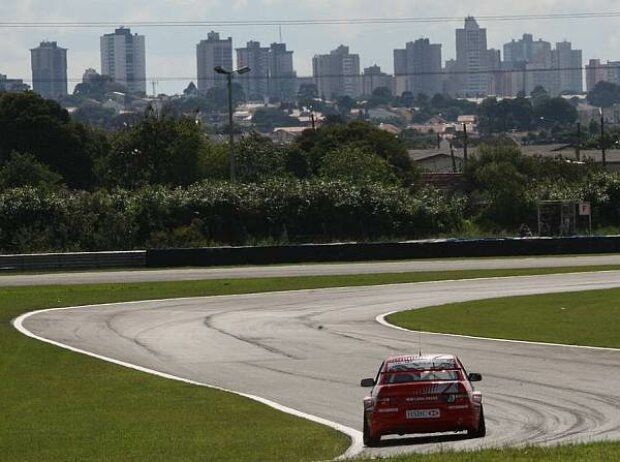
(423, 414)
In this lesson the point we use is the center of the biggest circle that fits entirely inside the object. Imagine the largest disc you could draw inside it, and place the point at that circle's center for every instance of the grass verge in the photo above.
(579, 318)
(58, 405)
(596, 452)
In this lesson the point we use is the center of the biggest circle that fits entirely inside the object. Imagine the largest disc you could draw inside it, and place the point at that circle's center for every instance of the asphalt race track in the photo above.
(308, 350)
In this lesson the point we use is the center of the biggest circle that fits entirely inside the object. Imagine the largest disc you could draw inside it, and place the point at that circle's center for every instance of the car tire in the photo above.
(368, 440)
(481, 431)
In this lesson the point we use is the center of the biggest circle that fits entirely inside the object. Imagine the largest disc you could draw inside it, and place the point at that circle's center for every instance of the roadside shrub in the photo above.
(220, 213)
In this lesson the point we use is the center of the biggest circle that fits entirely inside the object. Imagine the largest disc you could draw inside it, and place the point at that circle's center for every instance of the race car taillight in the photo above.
(455, 397)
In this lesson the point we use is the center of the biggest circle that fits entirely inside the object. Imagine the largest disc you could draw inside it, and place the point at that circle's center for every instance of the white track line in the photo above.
(354, 449)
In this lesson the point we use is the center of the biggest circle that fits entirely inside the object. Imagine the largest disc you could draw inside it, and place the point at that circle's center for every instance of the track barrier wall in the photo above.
(313, 253)
(222, 256)
(84, 260)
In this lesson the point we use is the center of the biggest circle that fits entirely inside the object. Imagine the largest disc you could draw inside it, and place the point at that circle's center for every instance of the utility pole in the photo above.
(465, 140)
(603, 143)
(454, 170)
(578, 145)
(313, 121)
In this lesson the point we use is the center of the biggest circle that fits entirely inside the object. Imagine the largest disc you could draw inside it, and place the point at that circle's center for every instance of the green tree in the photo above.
(407, 99)
(356, 164)
(216, 98)
(502, 116)
(604, 94)
(93, 114)
(556, 109)
(345, 104)
(42, 128)
(381, 96)
(266, 119)
(258, 158)
(97, 87)
(497, 176)
(157, 151)
(539, 93)
(317, 143)
(25, 170)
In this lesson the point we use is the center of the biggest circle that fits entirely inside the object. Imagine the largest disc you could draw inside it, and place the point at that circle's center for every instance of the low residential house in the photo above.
(390, 128)
(115, 105)
(470, 120)
(437, 161)
(381, 114)
(287, 135)
(435, 124)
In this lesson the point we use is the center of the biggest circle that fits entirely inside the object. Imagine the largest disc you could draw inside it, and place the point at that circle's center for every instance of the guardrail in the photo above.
(449, 248)
(84, 260)
(314, 253)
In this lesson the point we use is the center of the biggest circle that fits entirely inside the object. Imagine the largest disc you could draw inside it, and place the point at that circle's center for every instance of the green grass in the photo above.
(580, 318)
(595, 452)
(61, 406)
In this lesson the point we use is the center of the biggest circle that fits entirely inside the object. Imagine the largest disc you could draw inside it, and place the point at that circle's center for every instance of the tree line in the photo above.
(161, 181)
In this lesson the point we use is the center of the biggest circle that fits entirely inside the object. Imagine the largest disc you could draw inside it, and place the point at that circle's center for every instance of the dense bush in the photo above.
(213, 213)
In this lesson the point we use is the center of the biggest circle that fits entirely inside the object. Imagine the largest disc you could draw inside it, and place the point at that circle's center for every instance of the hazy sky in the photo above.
(171, 51)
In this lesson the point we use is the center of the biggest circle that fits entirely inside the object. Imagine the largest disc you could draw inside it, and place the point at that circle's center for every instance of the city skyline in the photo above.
(171, 51)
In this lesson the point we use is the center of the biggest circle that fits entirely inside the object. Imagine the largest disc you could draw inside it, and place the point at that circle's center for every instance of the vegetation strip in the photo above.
(61, 406)
(578, 318)
(593, 452)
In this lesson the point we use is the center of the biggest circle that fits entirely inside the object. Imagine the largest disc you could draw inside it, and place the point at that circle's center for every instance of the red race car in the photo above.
(422, 394)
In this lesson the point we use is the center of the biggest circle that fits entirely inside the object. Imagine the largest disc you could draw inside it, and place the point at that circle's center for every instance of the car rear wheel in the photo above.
(368, 440)
(481, 431)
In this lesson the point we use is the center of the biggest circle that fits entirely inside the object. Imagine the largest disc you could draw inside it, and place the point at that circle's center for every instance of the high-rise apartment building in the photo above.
(531, 64)
(123, 58)
(569, 66)
(537, 64)
(255, 83)
(526, 50)
(337, 74)
(374, 78)
(211, 53)
(12, 85)
(282, 75)
(472, 65)
(597, 72)
(49, 70)
(418, 66)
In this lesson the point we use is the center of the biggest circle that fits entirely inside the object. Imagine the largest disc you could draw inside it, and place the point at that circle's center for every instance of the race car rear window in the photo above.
(420, 376)
(421, 364)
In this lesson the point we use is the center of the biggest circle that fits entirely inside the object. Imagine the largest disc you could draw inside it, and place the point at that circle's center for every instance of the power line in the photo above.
(307, 22)
(334, 76)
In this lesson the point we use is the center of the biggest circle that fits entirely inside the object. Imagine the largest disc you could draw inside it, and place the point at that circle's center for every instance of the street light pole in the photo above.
(603, 147)
(231, 136)
(465, 146)
(578, 145)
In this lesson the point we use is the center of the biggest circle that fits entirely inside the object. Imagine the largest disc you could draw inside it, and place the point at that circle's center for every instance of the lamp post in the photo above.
(603, 141)
(231, 141)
